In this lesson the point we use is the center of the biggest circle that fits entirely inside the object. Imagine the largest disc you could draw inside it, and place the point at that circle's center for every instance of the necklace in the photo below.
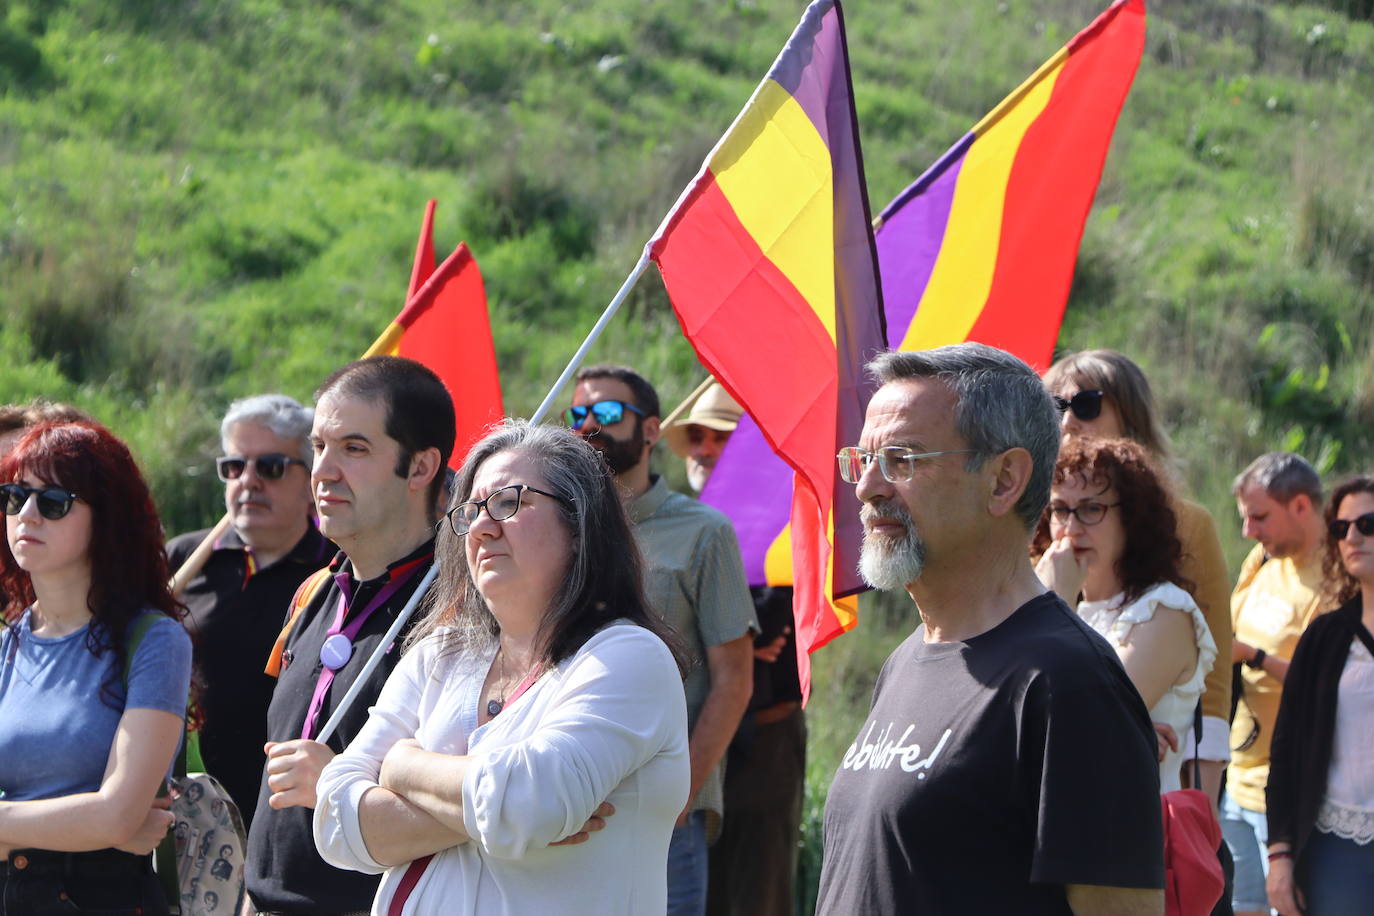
(494, 706)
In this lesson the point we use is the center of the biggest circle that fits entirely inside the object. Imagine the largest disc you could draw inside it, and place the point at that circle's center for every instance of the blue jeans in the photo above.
(1247, 836)
(687, 867)
(1339, 876)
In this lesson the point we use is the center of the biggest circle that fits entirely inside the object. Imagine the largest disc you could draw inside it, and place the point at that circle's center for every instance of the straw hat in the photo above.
(714, 409)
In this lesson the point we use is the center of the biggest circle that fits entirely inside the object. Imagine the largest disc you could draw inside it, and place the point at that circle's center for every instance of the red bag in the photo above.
(1193, 881)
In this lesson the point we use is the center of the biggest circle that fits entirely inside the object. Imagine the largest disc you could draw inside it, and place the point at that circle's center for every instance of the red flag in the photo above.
(445, 326)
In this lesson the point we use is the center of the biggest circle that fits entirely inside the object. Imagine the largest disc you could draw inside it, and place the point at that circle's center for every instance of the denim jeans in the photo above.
(1247, 834)
(687, 867)
(1339, 876)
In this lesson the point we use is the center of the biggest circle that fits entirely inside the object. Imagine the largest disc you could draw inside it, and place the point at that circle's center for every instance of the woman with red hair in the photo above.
(94, 671)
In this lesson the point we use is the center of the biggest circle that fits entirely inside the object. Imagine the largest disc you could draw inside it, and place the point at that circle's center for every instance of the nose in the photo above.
(872, 484)
(1249, 530)
(249, 478)
(1069, 425)
(29, 511)
(1073, 524)
(484, 527)
(324, 468)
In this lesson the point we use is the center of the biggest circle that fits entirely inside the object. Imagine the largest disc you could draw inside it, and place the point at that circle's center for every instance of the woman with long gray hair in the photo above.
(539, 697)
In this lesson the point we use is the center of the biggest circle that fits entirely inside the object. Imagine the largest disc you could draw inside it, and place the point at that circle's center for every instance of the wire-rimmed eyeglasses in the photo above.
(500, 505)
(896, 463)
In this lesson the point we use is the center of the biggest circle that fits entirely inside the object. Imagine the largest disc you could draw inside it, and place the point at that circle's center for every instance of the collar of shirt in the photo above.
(359, 591)
(646, 504)
(311, 550)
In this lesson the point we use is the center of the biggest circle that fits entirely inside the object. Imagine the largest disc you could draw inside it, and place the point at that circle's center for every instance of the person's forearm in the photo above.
(70, 823)
(397, 831)
(715, 728)
(429, 781)
(1273, 665)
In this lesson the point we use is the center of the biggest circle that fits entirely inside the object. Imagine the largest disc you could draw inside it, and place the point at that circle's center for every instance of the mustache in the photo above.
(893, 509)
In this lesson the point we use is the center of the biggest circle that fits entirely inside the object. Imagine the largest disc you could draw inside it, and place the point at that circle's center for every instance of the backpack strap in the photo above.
(309, 589)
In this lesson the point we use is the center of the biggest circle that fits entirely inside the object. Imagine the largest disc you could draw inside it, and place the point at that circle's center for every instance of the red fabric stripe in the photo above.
(423, 267)
(751, 327)
(448, 330)
(1051, 187)
(408, 881)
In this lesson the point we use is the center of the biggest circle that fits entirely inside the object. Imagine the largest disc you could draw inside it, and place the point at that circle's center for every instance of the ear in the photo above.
(1300, 504)
(653, 430)
(423, 466)
(1008, 476)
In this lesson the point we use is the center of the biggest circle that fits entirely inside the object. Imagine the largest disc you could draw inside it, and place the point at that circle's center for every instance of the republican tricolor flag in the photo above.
(444, 325)
(981, 247)
(768, 259)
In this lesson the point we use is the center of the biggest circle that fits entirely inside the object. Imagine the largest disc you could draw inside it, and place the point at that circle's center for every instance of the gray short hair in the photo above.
(281, 414)
(1000, 403)
(1282, 475)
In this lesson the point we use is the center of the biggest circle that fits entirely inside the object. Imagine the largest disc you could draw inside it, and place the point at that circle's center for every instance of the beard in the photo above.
(888, 563)
(620, 454)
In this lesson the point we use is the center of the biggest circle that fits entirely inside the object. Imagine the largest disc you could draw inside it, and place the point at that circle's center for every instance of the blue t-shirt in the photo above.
(56, 728)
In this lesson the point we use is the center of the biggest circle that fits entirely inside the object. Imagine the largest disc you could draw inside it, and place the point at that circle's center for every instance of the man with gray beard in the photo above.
(1007, 764)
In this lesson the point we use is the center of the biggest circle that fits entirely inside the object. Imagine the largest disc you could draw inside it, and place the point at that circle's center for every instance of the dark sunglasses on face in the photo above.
(1086, 405)
(269, 467)
(605, 413)
(500, 505)
(53, 502)
(1340, 527)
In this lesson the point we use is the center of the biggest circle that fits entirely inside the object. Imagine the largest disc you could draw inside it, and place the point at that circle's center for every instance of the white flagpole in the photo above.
(408, 611)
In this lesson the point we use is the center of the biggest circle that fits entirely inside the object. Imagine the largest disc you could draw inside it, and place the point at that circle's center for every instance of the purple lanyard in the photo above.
(349, 632)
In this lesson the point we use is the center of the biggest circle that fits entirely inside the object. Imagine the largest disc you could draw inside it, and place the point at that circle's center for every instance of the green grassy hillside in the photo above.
(204, 199)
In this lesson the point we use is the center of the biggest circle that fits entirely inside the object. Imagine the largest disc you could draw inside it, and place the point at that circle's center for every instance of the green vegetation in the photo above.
(204, 200)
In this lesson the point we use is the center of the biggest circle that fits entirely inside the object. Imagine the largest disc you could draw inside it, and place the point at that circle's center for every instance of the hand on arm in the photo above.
(1062, 572)
(293, 769)
(122, 812)
(773, 650)
(731, 666)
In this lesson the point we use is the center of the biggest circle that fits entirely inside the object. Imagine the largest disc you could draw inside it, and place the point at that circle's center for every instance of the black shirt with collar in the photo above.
(234, 618)
(285, 873)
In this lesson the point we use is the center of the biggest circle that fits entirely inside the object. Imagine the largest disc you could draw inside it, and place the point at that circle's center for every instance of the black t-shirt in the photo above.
(235, 618)
(285, 873)
(993, 772)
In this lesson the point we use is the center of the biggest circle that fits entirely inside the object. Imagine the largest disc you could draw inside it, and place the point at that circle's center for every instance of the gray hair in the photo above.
(1000, 403)
(281, 414)
(1282, 475)
(603, 581)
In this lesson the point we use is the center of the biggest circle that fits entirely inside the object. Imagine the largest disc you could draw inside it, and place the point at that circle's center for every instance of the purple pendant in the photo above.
(493, 707)
(336, 651)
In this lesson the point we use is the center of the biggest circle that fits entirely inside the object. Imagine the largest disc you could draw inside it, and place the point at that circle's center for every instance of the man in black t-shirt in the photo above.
(1007, 765)
(382, 434)
(236, 600)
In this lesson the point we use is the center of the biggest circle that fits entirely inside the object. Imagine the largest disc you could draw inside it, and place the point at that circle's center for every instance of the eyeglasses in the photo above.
(1086, 405)
(896, 462)
(1340, 527)
(269, 467)
(605, 413)
(53, 502)
(1087, 513)
(500, 505)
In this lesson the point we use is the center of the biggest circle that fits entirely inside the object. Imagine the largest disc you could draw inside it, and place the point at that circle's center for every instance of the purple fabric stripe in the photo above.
(910, 236)
(808, 65)
(753, 487)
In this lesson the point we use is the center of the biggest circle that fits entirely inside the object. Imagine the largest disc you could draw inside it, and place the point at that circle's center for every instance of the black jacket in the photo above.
(1300, 754)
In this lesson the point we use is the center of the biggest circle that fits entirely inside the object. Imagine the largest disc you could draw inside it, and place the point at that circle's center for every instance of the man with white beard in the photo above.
(1007, 764)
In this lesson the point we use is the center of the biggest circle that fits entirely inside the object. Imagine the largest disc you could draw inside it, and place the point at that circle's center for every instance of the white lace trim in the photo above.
(1355, 824)
(1115, 622)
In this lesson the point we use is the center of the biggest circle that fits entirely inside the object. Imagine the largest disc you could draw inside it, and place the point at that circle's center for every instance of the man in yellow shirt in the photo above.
(1279, 591)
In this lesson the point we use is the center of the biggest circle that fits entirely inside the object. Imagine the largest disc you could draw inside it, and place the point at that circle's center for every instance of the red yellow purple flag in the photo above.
(980, 247)
(768, 259)
(445, 326)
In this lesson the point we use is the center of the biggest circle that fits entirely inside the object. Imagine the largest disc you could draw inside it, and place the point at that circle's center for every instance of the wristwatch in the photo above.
(1257, 661)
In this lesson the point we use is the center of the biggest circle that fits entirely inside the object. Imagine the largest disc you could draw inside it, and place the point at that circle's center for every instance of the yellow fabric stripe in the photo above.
(959, 284)
(775, 170)
(777, 562)
(389, 344)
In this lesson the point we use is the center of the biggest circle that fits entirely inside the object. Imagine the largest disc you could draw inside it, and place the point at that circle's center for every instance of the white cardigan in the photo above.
(608, 724)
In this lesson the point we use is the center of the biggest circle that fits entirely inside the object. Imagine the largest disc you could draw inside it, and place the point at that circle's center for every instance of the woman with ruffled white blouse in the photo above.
(540, 701)
(1110, 536)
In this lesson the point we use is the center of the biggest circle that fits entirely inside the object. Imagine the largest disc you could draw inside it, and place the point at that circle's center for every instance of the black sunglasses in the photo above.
(605, 413)
(269, 467)
(1340, 527)
(53, 502)
(1086, 405)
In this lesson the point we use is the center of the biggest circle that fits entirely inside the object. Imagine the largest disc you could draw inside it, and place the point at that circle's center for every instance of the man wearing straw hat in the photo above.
(255, 564)
(753, 865)
(382, 435)
(694, 578)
